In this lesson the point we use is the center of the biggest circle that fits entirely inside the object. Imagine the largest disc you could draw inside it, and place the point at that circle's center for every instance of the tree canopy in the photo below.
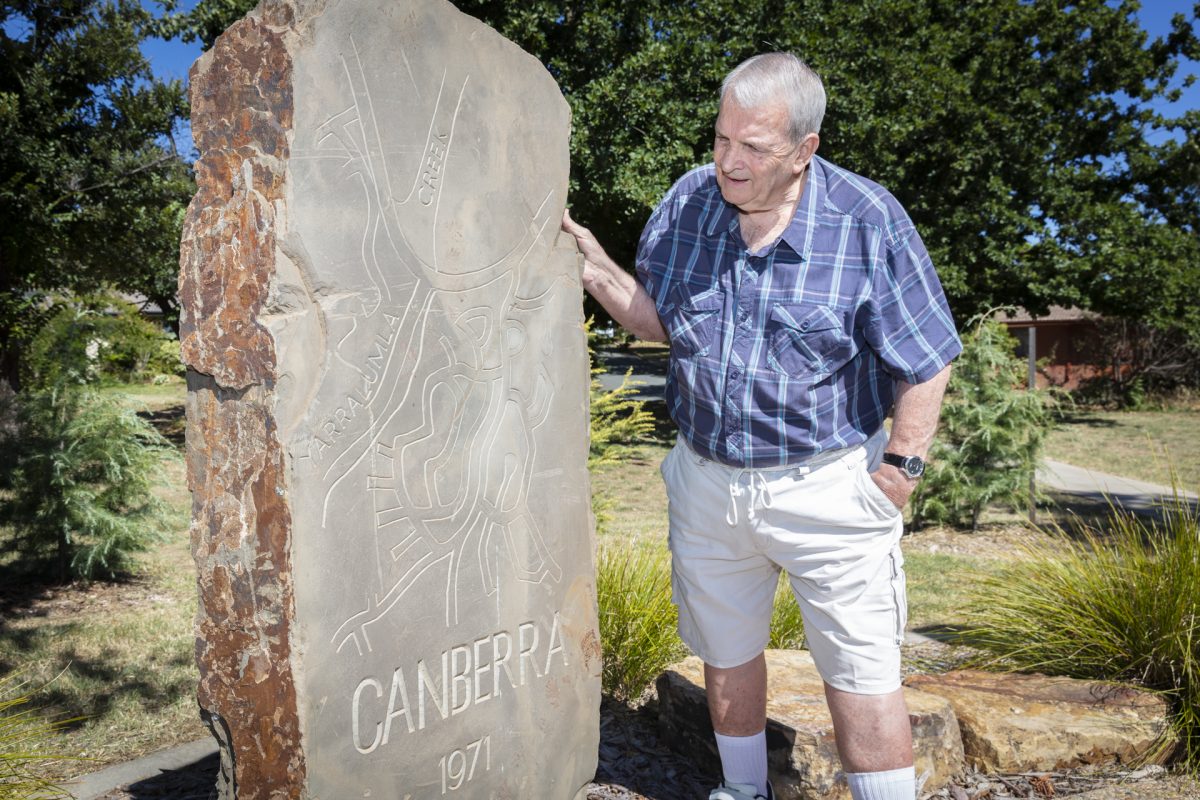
(91, 191)
(1023, 136)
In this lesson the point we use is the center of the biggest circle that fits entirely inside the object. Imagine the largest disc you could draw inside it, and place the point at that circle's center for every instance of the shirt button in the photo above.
(803, 326)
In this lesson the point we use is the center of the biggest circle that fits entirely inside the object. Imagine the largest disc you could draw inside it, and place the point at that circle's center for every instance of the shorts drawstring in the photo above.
(760, 493)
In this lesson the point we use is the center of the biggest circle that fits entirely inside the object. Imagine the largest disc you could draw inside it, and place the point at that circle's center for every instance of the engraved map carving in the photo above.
(439, 423)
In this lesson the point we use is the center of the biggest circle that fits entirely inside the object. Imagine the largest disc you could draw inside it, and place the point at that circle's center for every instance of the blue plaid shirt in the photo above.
(782, 354)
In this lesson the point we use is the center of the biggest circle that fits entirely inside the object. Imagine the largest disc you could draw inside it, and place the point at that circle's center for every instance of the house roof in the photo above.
(1056, 314)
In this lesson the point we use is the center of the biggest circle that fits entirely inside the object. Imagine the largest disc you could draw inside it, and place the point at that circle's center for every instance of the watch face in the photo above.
(913, 466)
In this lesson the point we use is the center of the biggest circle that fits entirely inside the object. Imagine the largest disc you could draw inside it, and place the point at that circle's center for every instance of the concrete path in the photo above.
(98, 784)
(1101, 489)
(651, 373)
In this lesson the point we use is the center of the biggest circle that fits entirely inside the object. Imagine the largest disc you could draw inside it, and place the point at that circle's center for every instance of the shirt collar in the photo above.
(799, 233)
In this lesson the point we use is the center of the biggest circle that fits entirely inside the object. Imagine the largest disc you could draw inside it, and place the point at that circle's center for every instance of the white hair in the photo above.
(773, 77)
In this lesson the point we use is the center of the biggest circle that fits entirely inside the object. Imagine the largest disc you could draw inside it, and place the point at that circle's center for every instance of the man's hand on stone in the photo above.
(619, 292)
(894, 483)
(593, 253)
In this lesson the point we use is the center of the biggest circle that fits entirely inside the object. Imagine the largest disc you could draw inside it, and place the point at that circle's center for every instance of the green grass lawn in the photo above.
(151, 396)
(1143, 445)
(118, 654)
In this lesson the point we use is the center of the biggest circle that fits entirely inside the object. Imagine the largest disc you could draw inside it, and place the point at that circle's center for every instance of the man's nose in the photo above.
(728, 158)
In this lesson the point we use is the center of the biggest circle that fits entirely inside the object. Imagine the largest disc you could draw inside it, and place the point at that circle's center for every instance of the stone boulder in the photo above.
(1034, 723)
(802, 750)
(387, 411)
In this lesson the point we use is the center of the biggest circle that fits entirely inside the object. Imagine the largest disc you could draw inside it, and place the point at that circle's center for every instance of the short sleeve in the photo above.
(909, 323)
(656, 227)
(658, 243)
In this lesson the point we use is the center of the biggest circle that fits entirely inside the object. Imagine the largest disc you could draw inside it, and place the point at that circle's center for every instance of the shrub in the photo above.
(98, 337)
(80, 482)
(1140, 363)
(24, 742)
(1120, 604)
(990, 436)
(617, 419)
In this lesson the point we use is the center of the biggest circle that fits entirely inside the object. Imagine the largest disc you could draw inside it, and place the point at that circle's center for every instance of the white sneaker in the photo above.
(739, 791)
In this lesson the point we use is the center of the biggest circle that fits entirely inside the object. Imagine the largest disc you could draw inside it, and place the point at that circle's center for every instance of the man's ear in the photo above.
(806, 150)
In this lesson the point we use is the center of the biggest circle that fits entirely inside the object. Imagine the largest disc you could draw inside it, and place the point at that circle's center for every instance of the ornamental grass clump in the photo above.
(787, 625)
(1117, 603)
(25, 742)
(637, 619)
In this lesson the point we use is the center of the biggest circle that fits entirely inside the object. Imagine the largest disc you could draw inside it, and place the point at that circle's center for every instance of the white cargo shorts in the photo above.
(827, 524)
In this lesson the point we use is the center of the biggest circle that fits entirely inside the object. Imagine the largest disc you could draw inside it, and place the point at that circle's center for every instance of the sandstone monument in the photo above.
(387, 412)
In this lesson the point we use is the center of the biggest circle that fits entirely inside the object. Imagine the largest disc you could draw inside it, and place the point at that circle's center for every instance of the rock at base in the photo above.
(1032, 723)
(802, 750)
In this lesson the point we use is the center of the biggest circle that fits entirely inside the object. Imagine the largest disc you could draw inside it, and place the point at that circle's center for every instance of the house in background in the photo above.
(1066, 341)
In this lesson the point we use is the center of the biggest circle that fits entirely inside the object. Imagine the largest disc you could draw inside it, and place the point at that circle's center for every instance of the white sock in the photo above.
(744, 759)
(893, 784)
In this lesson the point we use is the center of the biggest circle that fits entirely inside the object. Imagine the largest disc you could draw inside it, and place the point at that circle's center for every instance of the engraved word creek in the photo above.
(435, 157)
(471, 674)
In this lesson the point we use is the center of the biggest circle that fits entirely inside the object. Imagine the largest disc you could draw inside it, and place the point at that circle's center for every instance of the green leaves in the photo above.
(82, 472)
(1020, 134)
(990, 435)
(86, 164)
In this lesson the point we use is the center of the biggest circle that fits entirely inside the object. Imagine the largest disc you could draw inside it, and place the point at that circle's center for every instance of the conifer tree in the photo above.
(991, 433)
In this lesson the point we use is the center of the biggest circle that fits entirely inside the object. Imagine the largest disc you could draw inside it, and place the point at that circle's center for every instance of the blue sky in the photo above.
(173, 59)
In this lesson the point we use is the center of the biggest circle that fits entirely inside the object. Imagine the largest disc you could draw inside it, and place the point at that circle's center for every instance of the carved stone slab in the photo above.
(387, 411)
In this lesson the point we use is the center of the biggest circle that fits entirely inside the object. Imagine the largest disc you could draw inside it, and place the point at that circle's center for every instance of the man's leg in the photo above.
(737, 704)
(874, 739)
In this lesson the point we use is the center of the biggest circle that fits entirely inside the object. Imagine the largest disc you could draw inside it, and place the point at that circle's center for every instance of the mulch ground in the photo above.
(635, 764)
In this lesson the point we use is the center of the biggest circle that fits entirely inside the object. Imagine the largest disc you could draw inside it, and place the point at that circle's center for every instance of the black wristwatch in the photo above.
(913, 466)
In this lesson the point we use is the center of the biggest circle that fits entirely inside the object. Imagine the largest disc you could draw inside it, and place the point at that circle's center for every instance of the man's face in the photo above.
(759, 168)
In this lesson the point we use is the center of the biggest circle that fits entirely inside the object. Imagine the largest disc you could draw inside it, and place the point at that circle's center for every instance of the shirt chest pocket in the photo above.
(805, 341)
(692, 322)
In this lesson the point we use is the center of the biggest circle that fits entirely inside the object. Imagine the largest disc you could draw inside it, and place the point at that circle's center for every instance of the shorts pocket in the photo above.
(807, 341)
(662, 467)
(899, 594)
(693, 321)
(875, 496)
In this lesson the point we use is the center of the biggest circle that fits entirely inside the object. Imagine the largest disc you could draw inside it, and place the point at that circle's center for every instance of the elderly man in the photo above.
(801, 307)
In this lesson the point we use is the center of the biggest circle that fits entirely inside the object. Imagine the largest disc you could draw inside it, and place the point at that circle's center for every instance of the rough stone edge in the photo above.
(241, 525)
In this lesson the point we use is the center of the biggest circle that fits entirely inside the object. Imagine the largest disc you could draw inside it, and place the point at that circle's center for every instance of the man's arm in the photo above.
(914, 423)
(614, 288)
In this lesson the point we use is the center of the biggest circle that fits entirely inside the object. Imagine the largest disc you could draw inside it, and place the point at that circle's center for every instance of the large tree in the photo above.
(91, 190)
(1020, 134)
